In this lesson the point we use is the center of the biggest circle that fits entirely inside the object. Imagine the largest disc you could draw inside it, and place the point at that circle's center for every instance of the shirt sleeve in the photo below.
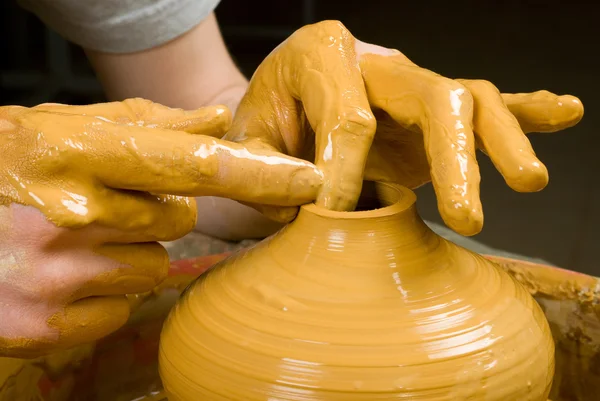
(120, 26)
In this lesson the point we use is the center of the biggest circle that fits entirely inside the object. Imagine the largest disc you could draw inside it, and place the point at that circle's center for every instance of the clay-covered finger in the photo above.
(135, 268)
(118, 215)
(279, 214)
(442, 110)
(89, 319)
(500, 135)
(212, 120)
(132, 216)
(543, 111)
(330, 86)
(178, 163)
(450, 148)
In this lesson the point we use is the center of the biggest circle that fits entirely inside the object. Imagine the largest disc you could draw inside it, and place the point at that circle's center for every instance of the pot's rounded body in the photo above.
(367, 305)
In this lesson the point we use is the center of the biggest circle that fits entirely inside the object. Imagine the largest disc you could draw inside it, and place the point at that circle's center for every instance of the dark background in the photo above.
(521, 46)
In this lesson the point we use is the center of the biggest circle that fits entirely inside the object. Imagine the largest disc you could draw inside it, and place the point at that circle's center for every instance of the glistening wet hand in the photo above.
(429, 126)
(355, 108)
(87, 191)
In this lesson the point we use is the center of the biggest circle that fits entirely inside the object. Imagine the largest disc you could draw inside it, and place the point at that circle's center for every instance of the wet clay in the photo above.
(85, 193)
(366, 305)
(576, 331)
(348, 106)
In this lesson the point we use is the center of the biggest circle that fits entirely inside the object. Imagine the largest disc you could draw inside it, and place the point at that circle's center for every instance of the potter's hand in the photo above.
(79, 218)
(313, 98)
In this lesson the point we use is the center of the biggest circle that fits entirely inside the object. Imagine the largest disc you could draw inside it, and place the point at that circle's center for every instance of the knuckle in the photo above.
(455, 90)
(359, 122)
(51, 284)
(332, 26)
(483, 85)
(444, 84)
(544, 96)
(329, 31)
(56, 154)
(58, 277)
(138, 104)
(51, 159)
(46, 104)
(134, 110)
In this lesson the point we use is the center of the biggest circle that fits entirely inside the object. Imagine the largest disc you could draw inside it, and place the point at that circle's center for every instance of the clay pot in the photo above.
(367, 305)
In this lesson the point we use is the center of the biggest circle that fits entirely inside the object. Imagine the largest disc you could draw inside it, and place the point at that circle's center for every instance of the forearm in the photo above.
(191, 71)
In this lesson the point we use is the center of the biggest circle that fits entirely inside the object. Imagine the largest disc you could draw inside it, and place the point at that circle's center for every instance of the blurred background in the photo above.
(519, 45)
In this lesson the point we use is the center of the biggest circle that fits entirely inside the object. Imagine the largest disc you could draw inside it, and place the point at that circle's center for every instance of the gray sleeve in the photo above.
(120, 26)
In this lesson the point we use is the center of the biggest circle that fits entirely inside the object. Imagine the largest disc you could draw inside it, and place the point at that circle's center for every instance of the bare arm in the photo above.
(192, 71)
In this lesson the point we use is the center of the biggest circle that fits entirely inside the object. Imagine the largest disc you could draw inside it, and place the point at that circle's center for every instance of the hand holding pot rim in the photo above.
(355, 108)
(86, 193)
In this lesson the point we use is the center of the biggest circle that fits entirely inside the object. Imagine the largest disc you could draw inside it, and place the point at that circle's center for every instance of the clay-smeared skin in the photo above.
(422, 126)
(79, 218)
(357, 306)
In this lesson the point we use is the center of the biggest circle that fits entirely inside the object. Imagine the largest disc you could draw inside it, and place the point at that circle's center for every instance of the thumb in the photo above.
(279, 214)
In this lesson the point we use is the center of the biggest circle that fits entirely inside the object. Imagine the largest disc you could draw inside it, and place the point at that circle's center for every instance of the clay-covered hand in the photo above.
(357, 108)
(87, 191)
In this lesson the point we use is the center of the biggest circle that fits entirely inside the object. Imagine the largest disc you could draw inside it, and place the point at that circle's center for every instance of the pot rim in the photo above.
(397, 199)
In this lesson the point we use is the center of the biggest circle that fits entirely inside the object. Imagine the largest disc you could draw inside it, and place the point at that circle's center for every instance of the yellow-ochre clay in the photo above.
(367, 305)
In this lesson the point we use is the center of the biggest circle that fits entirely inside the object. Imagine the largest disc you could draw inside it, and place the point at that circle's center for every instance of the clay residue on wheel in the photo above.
(571, 304)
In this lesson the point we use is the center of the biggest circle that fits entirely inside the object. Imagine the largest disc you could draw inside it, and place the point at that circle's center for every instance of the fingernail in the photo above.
(575, 107)
(467, 221)
(468, 226)
(531, 177)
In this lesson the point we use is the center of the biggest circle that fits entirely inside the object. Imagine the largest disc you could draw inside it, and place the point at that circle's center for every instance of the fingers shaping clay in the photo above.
(365, 305)
(359, 110)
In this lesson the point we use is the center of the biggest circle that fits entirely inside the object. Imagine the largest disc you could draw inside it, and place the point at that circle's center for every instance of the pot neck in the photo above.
(394, 219)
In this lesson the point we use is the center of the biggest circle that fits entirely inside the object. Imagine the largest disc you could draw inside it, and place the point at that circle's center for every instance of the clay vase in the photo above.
(365, 305)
